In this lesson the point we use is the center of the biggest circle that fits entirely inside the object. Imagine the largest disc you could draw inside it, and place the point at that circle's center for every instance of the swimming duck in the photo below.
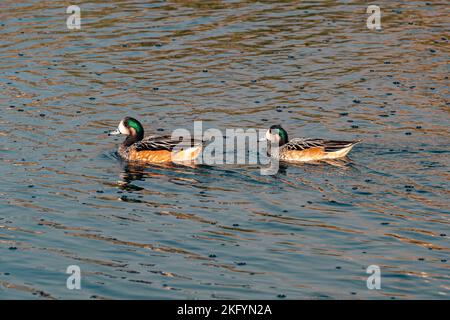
(302, 150)
(153, 149)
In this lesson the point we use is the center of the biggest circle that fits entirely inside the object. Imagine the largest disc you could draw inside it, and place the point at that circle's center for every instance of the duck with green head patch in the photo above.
(304, 149)
(153, 149)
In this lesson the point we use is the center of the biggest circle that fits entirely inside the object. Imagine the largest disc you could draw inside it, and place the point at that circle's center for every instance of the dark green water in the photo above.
(224, 231)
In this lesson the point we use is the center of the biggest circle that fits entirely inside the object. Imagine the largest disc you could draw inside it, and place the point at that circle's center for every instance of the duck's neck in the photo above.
(130, 140)
(273, 149)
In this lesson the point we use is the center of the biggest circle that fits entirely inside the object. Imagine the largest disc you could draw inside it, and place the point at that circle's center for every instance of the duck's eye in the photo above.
(272, 135)
(275, 132)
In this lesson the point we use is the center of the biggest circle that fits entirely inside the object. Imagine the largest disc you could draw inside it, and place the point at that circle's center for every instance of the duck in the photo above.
(304, 149)
(153, 149)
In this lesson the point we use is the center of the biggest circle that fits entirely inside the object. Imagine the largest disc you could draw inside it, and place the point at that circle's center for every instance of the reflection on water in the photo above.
(224, 231)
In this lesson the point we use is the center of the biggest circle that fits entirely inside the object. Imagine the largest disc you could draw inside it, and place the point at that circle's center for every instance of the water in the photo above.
(224, 231)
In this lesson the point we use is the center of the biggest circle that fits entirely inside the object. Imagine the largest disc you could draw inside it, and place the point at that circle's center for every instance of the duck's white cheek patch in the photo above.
(268, 135)
(123, 129)
(272, 137)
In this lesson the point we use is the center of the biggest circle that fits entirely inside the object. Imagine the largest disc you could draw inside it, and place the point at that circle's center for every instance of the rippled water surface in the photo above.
(224, 231)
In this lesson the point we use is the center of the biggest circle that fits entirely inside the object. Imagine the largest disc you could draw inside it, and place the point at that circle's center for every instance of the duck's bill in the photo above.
(114, 133)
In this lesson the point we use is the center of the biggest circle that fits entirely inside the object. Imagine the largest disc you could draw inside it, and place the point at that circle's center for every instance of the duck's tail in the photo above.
(339, 149)
(188, 154)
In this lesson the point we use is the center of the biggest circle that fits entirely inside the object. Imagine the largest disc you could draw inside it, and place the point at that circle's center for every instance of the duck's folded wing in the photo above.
(155, 143)
(336, 145)
(327, 145)
(299, 144)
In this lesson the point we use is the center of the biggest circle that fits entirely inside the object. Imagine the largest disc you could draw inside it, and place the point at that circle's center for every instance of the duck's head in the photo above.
(276, 134)
(131, 128)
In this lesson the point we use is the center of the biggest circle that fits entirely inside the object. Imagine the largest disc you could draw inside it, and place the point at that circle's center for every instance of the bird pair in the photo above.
(159, 149)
